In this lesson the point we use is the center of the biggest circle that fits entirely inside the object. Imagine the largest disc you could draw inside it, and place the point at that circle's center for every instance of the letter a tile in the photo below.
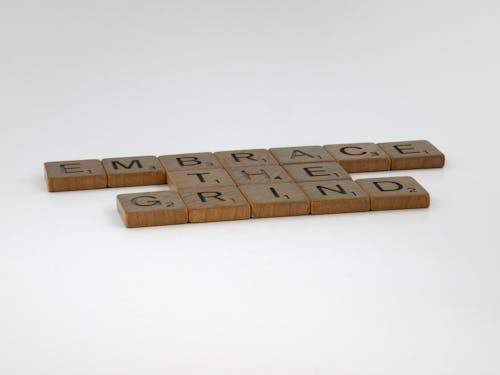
(152, 208)
(392, 193)
(302, 154)
(245, 158)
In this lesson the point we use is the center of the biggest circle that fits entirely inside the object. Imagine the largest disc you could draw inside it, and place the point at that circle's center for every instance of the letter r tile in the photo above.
(392, 193)
(217, 203)
(245, 158)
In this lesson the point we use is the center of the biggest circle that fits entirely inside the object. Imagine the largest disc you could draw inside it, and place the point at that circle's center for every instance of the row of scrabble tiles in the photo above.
(220, 203)
(226, 166)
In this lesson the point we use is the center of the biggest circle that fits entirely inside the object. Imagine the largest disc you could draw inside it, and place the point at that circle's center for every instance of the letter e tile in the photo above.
(317, 172)
(413, 154)
(75, 175)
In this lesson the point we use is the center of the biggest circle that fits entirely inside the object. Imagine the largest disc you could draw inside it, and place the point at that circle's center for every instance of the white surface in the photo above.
(402, 292)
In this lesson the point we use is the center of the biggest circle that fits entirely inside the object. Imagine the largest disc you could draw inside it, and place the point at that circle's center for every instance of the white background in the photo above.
(401, 292)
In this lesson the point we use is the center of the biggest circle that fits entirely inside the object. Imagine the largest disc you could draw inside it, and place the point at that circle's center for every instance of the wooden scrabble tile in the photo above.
(245, 158)
(152, 208)
(413, 154)
(360, 157)
(179, 162)
(300, 154)
(134, 171)
(217, 203)
(264, 174)
(201, 178)
(392, 193)
(332, 197)
(75, 175)
(272, 200)
(317, 172)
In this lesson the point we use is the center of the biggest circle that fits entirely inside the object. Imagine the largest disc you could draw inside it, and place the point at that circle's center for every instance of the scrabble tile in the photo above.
(215, 204)
(245, 158)
(317, 172)
(179, 162)
(360, 157)
(332, 197)
(300, 154)
(392, 193)
(152, 208)
(259, 175)
(134, 171)
(198, 178)
(272, 200)
(75, 175)
(413, 154)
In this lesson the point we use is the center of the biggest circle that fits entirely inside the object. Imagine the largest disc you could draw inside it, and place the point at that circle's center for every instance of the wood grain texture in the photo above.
(360, 157)
(413, 154)
(301, 154)
(192, 161)
(219, 203)
(317, 172)
(273, 200)
(75, 175)
(134, 171)
(392, 193)
(333, 197)
(259, 175)
(151, 209)
(245, 158)
(199, 178)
